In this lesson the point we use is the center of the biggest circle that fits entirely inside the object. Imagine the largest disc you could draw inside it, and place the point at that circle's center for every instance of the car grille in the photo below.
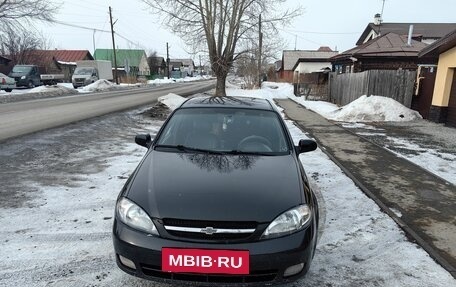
(255, 277)
(210, 230)
(79, 80)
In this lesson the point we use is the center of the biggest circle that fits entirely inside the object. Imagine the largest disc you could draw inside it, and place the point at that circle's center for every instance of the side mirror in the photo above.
(306, 146)
(143, 140)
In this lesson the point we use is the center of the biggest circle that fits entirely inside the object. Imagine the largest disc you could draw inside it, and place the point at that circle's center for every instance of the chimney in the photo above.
(377, 19)
(409, 41)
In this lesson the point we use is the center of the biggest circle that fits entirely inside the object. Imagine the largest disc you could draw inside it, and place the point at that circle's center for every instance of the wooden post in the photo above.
(113, 46)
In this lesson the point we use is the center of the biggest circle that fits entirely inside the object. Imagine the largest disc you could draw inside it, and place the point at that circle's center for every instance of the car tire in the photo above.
(30, 85)
(8, 90)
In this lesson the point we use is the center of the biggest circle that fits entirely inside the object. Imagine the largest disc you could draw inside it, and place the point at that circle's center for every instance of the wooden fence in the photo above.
(398, 85)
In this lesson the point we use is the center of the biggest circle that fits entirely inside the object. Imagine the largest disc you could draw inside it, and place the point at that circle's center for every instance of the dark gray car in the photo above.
(220, 197)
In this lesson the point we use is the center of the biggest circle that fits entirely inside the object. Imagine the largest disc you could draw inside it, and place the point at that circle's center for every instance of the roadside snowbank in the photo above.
(172, 101)
(36, 93)
(161, 81)
(374, 109)
(98, 86)
(172, 80)
(364, 109)
(57, 90)
(269, 90)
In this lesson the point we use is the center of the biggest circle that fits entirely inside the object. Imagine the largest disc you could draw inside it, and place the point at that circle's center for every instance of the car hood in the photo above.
(17, 75)
(216, 187)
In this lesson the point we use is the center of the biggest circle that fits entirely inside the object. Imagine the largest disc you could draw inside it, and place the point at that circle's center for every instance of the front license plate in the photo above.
(205, 261)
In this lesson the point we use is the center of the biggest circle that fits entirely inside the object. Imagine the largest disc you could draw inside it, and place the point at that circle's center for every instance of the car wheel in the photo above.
(8, 90)
(30, 85)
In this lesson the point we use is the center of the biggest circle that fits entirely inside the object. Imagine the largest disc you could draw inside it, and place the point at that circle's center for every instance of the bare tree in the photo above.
(247, 64)
(18, 13)
(18, 43)
(222, 25)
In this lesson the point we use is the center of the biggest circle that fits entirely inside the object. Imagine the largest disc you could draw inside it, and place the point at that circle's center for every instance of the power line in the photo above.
(313, 42)
(79, 26)
(321, 33)
(97, 30)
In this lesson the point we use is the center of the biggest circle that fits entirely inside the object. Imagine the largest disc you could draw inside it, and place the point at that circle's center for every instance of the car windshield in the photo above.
(21, 69)
(226, 130)
(83, 71)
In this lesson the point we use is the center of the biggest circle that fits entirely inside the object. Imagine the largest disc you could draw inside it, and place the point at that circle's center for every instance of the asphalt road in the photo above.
(26, 117)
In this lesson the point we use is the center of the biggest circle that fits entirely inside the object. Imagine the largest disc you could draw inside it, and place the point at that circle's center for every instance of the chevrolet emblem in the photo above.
(208, 230)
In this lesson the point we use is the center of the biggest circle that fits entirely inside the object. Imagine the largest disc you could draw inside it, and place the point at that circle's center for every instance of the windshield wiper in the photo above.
(189, 149)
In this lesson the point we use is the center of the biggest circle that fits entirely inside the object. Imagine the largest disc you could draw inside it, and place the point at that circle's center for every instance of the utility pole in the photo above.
(260, 46)
(167, 60)
(113, 46)
(93, 41)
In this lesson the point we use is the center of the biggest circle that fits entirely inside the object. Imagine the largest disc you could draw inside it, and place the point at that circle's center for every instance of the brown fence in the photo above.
(398, 85)
(312, 86)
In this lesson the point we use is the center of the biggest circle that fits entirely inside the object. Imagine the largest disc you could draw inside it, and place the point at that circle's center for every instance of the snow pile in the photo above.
(98, 86)
(161, 81)
(172, 101)
(269, 90)
(52, 90)
(374, 109)
(192, 79)
(181, 80)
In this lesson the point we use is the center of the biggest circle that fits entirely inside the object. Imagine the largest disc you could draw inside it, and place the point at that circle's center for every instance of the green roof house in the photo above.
(133, 62)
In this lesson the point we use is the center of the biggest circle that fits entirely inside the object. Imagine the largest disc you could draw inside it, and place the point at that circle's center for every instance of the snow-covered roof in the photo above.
(290, 57)
(67, 63)
(185, 62)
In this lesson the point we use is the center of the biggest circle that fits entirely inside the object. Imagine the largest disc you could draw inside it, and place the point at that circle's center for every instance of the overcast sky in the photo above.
(334, 23)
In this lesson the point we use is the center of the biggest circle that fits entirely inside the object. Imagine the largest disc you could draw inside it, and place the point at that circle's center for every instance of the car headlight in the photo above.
(23, 78)
(288, 222)
(134, 216)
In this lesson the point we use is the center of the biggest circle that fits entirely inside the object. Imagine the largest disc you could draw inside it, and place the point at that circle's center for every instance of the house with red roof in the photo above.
(55, 61)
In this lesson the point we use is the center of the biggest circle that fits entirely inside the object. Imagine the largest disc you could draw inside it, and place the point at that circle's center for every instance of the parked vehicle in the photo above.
(52, 79)
(90, 71)
(26, 76)
(7, 83)
(29, 76)
(220, 197)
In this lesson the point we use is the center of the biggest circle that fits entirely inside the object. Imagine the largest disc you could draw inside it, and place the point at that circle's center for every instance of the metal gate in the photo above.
(422, 101)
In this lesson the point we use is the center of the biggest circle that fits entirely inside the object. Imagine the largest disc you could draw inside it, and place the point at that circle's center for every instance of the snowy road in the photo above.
(25, 117)
(58, 193)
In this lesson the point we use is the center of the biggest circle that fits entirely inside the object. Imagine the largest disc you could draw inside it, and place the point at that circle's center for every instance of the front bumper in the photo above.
(81, 82)
(268, 258)
(21, 82)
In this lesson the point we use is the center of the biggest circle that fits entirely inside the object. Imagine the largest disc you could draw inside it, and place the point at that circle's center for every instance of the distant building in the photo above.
(188, 66)
(5, 66)
(387, 52)
(131, 62)
(304, 61)
(55, 61)
(157, 66)
(422, 32)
